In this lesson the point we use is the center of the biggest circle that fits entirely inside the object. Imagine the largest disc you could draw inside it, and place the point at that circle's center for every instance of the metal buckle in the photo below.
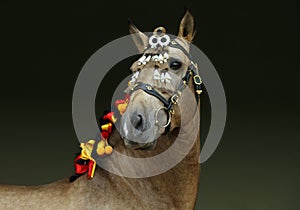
(174, 98)
(172, 111)
(149, 87)
(197, 80)
(198, 92)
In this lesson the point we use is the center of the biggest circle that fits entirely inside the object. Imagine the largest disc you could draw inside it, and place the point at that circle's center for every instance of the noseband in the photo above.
(168, 103)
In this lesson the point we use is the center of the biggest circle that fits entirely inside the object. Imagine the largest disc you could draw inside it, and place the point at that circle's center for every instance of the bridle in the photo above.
(192, 72)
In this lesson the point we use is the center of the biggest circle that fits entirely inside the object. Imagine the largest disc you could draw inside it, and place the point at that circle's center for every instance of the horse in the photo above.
(158, 113)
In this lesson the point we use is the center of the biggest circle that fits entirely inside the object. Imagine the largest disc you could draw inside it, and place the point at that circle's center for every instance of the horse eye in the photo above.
(175, 65)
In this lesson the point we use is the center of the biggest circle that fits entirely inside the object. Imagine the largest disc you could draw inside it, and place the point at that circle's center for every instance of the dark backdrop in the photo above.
(254, 45)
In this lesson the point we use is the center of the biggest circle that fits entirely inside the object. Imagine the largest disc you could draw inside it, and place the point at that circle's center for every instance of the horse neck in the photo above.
(177, 186)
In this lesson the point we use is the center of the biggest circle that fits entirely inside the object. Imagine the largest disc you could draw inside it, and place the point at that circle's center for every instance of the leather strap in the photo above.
(174, 44)
(151, 91)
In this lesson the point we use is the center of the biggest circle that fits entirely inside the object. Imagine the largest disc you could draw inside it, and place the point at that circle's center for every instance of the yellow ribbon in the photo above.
(86, 153)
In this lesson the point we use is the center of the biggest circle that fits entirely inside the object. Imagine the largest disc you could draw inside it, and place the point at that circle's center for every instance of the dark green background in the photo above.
(254, 45)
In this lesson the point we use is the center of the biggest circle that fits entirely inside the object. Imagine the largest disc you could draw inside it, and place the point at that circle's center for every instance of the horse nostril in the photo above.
(137, 121)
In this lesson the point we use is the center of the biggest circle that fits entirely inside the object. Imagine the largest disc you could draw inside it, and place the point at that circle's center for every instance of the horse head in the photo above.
(158, 85)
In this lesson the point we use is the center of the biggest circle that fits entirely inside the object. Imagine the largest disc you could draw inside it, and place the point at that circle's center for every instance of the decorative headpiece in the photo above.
(159, 38)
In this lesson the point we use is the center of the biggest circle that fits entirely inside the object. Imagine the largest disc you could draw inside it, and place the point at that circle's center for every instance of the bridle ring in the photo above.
(169, 117)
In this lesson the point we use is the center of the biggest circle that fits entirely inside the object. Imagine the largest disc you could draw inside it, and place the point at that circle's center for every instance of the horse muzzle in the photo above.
(139, 146)
(139, 130)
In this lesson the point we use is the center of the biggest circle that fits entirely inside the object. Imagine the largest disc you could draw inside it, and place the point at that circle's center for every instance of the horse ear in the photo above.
(187, 27)
(140, 39)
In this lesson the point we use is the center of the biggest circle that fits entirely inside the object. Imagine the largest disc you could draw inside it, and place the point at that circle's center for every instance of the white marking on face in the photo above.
(141, 60)
(168, 77)
(155, 58)
(156, 75)
(166, 57)
(135, 75)
(162, 77)
(160, 58)
(148, 58)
